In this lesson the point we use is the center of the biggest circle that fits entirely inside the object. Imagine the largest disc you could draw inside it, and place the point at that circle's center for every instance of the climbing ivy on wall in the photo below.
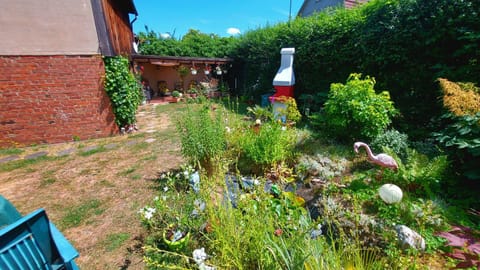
(123, 89)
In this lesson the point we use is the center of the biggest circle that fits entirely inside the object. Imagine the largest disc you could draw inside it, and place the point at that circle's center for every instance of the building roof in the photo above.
(177, 60)
(129, 6)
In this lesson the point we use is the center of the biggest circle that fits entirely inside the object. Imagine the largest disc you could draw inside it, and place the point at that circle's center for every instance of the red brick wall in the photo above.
(50, 99)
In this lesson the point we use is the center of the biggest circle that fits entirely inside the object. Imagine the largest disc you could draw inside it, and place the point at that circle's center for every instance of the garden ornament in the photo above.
(390, 193)
(383, 160)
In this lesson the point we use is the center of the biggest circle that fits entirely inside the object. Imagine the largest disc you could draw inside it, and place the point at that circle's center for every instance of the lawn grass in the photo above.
(79, 214)
(48, 178)
(11, 151)
(24, 163)
(115, 240)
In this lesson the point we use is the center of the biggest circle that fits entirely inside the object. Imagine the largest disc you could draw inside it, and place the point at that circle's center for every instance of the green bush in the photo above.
(419, 174)
(123, 90)
(267, 145)
(394, 140)
(461, 138)
(354, 111)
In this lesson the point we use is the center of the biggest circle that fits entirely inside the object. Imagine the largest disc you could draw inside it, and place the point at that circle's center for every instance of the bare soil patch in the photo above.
(94, 197)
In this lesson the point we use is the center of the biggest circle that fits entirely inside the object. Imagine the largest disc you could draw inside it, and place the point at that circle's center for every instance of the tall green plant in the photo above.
(354, 111)
(123, 89)
(202, 133)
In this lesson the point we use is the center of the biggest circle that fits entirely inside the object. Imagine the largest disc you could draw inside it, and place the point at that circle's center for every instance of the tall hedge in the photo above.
(405, 44)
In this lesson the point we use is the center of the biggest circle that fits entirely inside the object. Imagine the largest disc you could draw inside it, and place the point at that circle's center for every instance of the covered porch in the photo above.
(166, 74)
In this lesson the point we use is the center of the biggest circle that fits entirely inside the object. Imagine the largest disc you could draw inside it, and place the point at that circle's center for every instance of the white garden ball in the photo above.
(390, 193)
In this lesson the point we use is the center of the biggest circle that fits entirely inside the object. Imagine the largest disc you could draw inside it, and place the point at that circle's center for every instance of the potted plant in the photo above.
(193, 92)
(207, 69)
(176, 95)
(175, 238)
(218, 70)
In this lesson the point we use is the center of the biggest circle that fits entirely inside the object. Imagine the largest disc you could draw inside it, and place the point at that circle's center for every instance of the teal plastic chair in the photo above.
(8, 212)
(32, 242)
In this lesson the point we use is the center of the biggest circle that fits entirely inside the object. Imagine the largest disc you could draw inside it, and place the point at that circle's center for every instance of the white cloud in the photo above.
(233, 31)
(165, 35)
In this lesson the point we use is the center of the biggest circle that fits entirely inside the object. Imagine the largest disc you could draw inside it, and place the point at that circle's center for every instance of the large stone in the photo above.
(9, 158)
(408, 238)
(36, 155)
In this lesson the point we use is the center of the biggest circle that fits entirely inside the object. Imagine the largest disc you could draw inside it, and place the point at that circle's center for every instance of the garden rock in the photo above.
(36, 155)
(314, 234)
(9, 158)
(233, 189)
(199, 208)
(194, 181)
(408, 238)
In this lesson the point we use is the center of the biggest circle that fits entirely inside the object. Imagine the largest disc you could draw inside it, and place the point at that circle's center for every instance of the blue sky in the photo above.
(174, 16)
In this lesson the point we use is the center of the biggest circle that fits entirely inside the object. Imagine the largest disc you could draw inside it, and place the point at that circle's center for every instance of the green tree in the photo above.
(193, 44)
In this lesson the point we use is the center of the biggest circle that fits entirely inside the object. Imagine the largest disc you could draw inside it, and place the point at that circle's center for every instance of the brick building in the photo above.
(51, 68)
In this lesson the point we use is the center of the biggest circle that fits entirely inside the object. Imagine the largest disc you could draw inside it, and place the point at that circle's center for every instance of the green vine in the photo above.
(123, 89)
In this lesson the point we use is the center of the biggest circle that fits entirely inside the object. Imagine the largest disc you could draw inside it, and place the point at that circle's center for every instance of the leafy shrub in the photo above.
(123, 90)
(268, 145)
(428, 147)
(263, 113)
(394, 140)
(292, 113)
(458, 100)
(354, 111)
(461, 138)
(419, 174)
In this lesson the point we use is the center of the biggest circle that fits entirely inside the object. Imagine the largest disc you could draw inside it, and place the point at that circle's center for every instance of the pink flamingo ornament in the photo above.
(383, 160)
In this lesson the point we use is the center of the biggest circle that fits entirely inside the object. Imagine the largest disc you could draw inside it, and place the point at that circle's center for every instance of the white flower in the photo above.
(148, 215)
(284, 128)
(164, 197)
(165, 189)
(228, 129)
(156, 198)
(258, 122)
(148, 212)
(186, 173)
(199, 255)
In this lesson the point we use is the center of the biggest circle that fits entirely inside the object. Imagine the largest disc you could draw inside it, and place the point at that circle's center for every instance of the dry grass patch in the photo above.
(94, 198)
